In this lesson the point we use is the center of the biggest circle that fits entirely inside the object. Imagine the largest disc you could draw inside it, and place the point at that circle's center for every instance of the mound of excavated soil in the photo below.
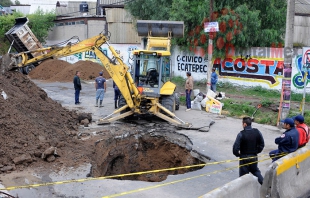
(31, 122)
(62, 71)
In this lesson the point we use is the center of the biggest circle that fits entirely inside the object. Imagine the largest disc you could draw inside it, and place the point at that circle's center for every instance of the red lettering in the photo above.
(217, 61)
(280, 64)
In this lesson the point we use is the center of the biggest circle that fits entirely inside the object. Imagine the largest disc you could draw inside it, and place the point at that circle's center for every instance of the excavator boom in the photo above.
(135, 101)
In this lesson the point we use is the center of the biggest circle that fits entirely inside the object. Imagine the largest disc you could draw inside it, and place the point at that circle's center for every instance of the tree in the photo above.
(243, 23)
(150, 10)
(6, 23)
(17, 2)
(6, 3)
(40, 23)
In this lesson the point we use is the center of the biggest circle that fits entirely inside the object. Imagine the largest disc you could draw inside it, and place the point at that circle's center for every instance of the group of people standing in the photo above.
(250, 142)
(100, 86)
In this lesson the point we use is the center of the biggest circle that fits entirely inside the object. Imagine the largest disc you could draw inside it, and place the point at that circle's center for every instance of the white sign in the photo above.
(211, 26)
(305, 58)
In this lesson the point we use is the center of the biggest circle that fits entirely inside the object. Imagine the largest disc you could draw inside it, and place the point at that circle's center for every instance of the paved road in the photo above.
(216, 144)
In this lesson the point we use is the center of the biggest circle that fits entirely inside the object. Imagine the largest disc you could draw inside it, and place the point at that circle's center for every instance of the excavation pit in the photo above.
(148, 151)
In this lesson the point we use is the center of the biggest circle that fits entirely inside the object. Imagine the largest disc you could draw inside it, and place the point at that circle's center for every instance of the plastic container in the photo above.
(213, 105)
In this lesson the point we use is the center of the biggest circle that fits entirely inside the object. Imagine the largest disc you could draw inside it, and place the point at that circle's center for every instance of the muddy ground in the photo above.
(37, 131)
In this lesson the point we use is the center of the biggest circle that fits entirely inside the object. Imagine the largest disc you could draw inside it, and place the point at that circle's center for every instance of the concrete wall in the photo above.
(123, 50)
(83, 31)
(288, 176)
(265, 68)
(246, 186)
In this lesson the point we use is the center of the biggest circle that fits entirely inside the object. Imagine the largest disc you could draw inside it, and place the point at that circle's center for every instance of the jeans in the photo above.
(213, 87)
(274, 153)
(99, 94)
(251, 167)
(188, 98)
(117, 94)
(77, 96)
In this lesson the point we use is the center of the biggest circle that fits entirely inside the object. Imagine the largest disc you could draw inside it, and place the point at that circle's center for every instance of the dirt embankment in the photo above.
(31, 122)
(62, 71)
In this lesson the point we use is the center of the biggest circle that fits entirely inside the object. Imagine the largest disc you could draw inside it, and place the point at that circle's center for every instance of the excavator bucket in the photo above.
(160, 28)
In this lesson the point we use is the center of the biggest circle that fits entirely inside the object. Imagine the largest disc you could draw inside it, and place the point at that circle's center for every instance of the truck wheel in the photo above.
(177, 101)
(122, 102)
(169, 102)
(28, 69)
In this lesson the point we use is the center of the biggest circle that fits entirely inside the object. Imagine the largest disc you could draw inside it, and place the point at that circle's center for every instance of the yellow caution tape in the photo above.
(124, 175)
(177, 181)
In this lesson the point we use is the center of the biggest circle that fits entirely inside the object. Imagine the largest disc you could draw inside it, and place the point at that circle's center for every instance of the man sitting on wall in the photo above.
(287, 142)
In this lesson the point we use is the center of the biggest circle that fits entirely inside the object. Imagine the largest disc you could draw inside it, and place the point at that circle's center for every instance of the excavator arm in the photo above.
(117, 69)
(136, 102)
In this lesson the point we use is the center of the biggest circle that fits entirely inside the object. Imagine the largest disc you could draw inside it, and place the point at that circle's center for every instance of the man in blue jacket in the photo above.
(287, 142)
(214, 79)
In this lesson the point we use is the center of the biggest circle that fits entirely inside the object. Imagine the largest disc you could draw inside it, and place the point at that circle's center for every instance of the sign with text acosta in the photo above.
(192, 63)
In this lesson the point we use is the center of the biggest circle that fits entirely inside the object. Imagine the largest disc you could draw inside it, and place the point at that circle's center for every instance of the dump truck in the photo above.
(147, 89)
(22, 39)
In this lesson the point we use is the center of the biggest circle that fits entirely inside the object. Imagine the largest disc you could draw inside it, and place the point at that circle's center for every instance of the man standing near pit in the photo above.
(101, 88)
(287, 142)
(248, 144)
(214, 79)
(77, 87)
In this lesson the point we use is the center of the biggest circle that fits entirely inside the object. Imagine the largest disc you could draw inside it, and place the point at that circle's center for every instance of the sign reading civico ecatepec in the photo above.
(192, 64)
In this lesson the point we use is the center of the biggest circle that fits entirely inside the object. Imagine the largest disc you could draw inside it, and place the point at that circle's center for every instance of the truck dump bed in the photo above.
(24, 39)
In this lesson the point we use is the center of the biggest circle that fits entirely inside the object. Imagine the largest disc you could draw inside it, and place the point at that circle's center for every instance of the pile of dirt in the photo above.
(62, 71)
(31, 122)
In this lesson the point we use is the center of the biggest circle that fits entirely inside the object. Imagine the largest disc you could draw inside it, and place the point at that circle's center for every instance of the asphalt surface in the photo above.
(216, 144)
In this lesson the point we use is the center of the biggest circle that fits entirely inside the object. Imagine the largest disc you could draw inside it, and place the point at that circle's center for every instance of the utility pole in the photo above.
(288, 56)
(304, 93)
(210, 51)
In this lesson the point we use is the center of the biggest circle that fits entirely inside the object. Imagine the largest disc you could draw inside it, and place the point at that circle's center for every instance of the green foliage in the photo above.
(298, 97)
(307, 117)
(6, 23)
(17, 2)
(150, 10)
(266, 102)
(178, 80)
(182, 100)
(5, 3)
(272, 17)
(242, 23)
(41, 22)
(267, 118)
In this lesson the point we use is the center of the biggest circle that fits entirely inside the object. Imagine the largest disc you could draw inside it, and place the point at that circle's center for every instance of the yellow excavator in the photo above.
(145, 88)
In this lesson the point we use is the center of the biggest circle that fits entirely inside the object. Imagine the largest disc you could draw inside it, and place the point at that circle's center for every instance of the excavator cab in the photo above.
(152, 65)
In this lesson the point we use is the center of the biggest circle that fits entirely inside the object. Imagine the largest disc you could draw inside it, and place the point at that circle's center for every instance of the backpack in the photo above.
(307, 132)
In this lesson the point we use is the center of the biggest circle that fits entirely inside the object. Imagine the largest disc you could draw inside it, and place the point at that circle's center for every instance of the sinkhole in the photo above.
(147, 151)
